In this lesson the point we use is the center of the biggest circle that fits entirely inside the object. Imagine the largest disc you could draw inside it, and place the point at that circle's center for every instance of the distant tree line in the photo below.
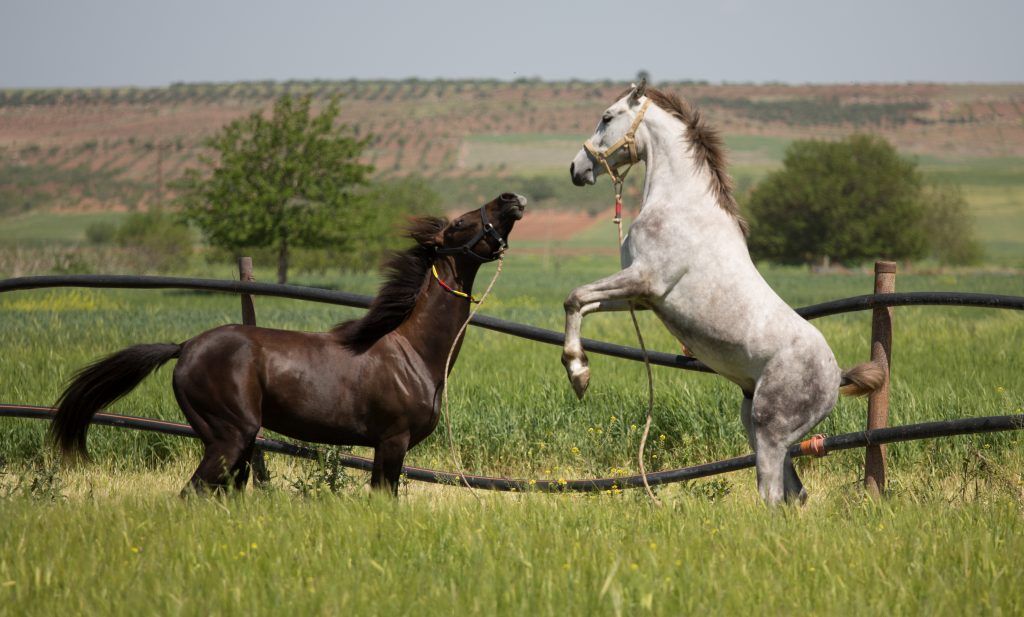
(822, 112)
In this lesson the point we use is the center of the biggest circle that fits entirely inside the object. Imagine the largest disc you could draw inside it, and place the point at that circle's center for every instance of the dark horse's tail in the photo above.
(98, 385)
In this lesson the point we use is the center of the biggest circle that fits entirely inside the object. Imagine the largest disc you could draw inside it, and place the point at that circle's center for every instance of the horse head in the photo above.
(613, 144)
(480, 234)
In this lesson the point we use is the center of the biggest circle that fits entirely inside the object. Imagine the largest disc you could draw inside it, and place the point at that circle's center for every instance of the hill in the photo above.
(115, 149)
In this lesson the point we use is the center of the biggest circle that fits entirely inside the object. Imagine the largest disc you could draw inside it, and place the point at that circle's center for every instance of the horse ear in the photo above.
(638, 90)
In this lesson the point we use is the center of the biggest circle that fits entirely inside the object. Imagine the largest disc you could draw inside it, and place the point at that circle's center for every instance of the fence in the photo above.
(873, 439)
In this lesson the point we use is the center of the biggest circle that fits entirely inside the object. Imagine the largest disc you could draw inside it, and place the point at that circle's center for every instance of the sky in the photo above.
(93, 43)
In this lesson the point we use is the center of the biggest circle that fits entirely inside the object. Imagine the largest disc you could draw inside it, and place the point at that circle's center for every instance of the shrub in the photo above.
(849, 200)
(162, 243)
(541, 188)
(101, 232)
(948, 226)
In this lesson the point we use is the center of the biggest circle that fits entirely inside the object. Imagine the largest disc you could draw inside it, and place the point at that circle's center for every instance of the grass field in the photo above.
(138, 551)
(113, 538)
(49, 228)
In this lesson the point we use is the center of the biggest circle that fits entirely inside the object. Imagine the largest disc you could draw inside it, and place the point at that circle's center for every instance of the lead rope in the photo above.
(618, 180)
(445, 410)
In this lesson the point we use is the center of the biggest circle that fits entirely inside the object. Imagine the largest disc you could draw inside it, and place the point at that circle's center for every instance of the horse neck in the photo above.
(432, 327)
(674, 181)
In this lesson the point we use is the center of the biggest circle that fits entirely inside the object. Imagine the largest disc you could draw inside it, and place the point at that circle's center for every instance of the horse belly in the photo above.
(732, 347)
(313, 405)
(368, 404)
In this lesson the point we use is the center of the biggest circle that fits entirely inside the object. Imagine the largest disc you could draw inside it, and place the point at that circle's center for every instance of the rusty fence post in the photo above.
(881, 354)
(260, 473)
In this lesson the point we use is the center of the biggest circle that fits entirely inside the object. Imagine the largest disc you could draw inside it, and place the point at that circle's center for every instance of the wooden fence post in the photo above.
(260, 473)
(881, 354)
(245, 274)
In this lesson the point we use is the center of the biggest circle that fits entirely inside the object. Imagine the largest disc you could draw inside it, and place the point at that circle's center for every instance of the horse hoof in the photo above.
(799, 499)
(580, 379)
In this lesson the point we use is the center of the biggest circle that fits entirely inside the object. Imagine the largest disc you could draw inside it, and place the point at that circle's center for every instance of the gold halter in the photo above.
(627, 141)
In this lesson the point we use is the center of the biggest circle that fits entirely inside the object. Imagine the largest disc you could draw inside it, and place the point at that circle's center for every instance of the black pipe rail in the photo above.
(846, 441)
(533, 333)
(839, 442)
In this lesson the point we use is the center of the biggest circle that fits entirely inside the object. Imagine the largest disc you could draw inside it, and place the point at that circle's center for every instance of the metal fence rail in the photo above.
(845, 441)
(533, 333)
(869, 438)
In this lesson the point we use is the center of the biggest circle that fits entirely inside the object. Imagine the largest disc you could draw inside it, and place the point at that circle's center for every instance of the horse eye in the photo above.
(458, 224)
(606, 118)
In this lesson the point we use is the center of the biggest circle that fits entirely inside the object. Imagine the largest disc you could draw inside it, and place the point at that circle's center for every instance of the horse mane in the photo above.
(404, 273)
(707, 147)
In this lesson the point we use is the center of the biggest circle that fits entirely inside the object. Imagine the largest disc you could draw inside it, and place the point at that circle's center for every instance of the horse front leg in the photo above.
(613, 293)
(388, 457)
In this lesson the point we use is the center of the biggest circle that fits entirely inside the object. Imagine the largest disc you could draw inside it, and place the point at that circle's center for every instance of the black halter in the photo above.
(467, 248)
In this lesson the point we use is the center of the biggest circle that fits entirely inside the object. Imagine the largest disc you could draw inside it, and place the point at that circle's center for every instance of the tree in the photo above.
(283, 182)
(949, 226)
(848, 200)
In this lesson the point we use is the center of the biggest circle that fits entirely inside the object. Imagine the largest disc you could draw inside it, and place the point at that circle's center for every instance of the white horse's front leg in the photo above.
(613, 293)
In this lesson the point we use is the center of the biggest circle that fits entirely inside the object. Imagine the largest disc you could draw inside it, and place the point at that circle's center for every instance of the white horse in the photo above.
(686, 258)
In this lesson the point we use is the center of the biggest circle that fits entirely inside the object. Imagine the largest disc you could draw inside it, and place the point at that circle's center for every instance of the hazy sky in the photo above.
(47, 43)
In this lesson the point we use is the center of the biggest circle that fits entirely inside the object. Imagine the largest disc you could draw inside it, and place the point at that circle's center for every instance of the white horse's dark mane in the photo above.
(707, 147)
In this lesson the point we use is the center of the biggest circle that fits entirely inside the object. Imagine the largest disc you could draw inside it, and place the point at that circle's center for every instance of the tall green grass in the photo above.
(120, 546)
(113, 539)
(513, 410)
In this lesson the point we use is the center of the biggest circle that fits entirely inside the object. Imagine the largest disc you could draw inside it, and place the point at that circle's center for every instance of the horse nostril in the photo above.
(572, 169)
(508, 197)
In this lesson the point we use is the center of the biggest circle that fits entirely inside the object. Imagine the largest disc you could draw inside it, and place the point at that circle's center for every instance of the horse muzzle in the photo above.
(581, 177)
(513, 205)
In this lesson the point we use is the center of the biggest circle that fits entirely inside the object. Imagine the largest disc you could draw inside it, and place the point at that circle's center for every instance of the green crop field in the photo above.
(114, 538)
(49, 228)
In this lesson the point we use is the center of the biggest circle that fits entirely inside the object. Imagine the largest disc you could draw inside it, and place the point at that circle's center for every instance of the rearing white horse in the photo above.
(686, 258)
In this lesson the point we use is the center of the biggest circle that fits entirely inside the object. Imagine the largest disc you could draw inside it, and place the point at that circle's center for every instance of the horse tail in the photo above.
(99, 384)
(862, 379)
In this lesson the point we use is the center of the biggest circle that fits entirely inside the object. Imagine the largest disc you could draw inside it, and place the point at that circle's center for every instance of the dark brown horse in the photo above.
(374, 381)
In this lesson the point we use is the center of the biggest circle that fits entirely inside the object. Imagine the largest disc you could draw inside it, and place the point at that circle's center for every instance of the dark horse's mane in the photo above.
(707, 148)
(404, 272)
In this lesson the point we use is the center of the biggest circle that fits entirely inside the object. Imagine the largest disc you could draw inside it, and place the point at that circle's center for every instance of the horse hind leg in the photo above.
(793, 488)
(228, 437)
(213, 472)
(244, 465)
(779, 415)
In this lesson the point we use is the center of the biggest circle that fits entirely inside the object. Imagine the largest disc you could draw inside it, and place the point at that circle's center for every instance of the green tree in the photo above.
(283, 182)
(949, 226)
(848, 200)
